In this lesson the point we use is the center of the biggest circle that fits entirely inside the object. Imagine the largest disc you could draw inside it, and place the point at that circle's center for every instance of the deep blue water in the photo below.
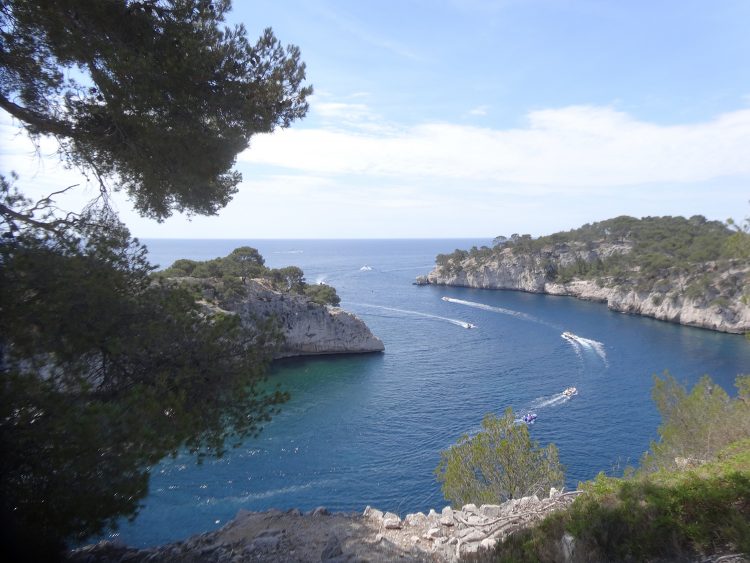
(368, 429)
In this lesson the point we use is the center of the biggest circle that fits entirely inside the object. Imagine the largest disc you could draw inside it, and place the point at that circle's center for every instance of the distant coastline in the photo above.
(634, 266)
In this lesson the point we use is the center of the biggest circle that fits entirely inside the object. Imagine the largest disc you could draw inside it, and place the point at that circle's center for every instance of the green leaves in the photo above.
(500, 462)
(104, 372)
(697, 424)
(168, 99)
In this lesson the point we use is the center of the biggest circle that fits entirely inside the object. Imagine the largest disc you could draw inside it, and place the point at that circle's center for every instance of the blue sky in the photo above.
(477, 118)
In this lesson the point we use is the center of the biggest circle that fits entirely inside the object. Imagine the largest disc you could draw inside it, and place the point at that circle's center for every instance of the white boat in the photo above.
(445, 298)
(365, 268)
(469, 325)
(570, 391)
(568, 336)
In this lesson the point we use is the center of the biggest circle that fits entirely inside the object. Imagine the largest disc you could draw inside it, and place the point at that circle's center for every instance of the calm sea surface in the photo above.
(368, 429)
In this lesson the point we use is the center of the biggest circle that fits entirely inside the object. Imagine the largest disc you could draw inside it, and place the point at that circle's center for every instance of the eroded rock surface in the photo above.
(667, 300)
(273, 536)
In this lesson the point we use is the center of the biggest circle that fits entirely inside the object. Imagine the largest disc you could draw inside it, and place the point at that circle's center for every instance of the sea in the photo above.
(368, 429)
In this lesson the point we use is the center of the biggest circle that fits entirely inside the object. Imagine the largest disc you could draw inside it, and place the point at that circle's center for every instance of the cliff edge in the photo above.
(308, 328)
(672, 269)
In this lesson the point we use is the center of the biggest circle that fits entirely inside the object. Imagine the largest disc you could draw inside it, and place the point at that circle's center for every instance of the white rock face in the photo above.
(308, 328)
(529, 273)
(278, 537)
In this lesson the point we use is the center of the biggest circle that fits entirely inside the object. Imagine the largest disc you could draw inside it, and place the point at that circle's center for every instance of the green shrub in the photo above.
(322, 294)
(500, 462)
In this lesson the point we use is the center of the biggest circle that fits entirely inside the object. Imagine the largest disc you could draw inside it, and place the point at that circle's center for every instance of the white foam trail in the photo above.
(241, 499)
(556, 399)
(501, 310)
(579, 342)
(456, 322)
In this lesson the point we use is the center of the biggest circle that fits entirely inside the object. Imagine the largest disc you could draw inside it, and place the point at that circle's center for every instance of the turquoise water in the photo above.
(368, 429)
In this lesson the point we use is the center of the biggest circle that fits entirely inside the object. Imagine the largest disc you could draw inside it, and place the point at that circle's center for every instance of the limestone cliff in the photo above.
(709, 296)
(308, 327)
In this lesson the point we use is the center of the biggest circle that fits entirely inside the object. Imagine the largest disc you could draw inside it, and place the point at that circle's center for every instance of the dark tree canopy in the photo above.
(103, 368)
(104, 372)
(155, 97)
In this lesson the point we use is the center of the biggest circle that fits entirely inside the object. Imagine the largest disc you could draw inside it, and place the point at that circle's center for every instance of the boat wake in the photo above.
(501, 310)
(579, 343)
(457, 322)
(550, 401)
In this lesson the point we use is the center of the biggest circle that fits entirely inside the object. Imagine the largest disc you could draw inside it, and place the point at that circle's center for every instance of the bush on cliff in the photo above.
(500, 462)
(670, 509)
(696, 424)
(668, 515)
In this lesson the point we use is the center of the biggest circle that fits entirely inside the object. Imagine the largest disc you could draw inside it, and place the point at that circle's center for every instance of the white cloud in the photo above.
(357, 176)
(583, 146)
(479, 110)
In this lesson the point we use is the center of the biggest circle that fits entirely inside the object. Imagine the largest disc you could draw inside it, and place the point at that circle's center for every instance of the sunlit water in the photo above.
(368, 429)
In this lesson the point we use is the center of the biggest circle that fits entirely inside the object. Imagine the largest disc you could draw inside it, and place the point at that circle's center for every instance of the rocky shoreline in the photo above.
(274, 536)
(667, 301)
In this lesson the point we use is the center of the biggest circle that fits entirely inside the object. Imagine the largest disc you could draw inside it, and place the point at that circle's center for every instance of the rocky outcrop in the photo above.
(308, 327)
(731, 317)
(274, 536)
(670, 299)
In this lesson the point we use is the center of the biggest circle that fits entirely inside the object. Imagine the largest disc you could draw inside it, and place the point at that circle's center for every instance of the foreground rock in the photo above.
(274, 536)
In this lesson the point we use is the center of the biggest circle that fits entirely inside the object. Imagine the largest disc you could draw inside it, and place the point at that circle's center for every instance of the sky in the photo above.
(478, 118)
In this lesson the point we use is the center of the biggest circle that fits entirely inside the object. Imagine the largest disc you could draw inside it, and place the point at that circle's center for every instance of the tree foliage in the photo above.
(104, 368)
(244, 263)
(154, 96)
(696, 424)
(500, 462)
(104, 372)
(667, 511)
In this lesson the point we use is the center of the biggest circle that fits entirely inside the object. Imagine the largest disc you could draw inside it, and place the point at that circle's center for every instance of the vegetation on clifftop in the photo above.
(226, 277)
(499, 463)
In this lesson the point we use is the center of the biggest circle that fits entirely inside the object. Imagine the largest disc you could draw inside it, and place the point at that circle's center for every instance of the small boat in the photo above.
(469, 325)
(529, 417)
(365, 268)
(446, 298)
(570, 391)
(568, 336)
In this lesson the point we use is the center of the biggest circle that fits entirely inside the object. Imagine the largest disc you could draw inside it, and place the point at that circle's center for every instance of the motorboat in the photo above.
(569, 336)
(570, 391)
(529, 417)
(365, 268)
(445, 298)
(469, 325)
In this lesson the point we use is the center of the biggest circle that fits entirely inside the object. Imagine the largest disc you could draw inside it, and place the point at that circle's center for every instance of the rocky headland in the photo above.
(305, 315)
(595, 265)
(308, 328)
